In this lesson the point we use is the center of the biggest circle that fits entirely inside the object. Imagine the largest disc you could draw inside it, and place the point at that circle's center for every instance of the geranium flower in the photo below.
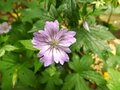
(53, 43)
(4, 27)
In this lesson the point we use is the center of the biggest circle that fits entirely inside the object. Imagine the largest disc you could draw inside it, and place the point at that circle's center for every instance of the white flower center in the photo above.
(54, 43)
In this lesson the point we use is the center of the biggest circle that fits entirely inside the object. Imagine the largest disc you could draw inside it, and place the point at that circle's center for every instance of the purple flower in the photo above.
(53, 43)
(4, 27)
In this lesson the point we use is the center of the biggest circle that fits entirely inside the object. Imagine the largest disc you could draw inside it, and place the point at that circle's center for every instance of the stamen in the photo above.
(54, 43)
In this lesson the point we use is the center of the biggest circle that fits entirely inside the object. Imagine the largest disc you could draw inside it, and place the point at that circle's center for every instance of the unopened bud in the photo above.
(86, 27)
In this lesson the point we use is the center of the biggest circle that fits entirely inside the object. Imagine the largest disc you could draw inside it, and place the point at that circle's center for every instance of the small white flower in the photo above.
(85, 25)
(4, 27)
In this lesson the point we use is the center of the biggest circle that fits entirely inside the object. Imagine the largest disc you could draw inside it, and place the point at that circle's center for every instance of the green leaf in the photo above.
(75, 82)
(103, 87)
(112, 61)
(51, 78)
(4, 38)
(27, 44)
(2, 52)
(71, 10)
(85, 1)
(7, 80)
(53, 12)
(27, 77)
(60, 9)
(39, 25)
(94, 40)
(9, 64)
(32, 4)
(6, 6)
(9, 48)
(6, 63)
(83, 64)
(118, 49)
(37, 65)
(27, 15)
(102, 32)
(51, 2)
(95, 77)
(20, 86)
(114, 82)
(84, 10)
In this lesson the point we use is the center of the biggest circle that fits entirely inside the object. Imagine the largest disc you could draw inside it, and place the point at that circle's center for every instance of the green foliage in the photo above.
(71, 10)
(21, 69)
(37, 26)
(75, 82)
(27, 77)
(113, 60)
(8, 5)
(13, 66)
(118, 49)
(52, 78)
(94, 40)
(7, 48)
(85, 63)
(27, 44)
(82, 71)
(37, 65)
(113, 83)
(2, 52)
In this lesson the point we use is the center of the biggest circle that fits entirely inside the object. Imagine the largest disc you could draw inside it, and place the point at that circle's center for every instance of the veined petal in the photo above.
(51, 25)
(70, 34)
(51, 28)
(67, 43)
(47, 58)
(38, 44)
(65, 35)
(56, 55)
(60, 34)
(43, 50)
(66, 49)
(64, 57)
(60, 56)
(42, 36)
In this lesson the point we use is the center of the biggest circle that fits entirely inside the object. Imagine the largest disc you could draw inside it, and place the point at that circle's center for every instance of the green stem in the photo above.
(110, 15)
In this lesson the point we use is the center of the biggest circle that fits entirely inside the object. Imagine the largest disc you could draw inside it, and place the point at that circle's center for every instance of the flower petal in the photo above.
(67, 42)
(60, 56)
(51, 25)
(70, 34)
(38, 44)
(67, 39)
(40, 39)
(66, 49)
(42, 36)
(51, 28)
(47, 58)
(43, 50)
(60, 34)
